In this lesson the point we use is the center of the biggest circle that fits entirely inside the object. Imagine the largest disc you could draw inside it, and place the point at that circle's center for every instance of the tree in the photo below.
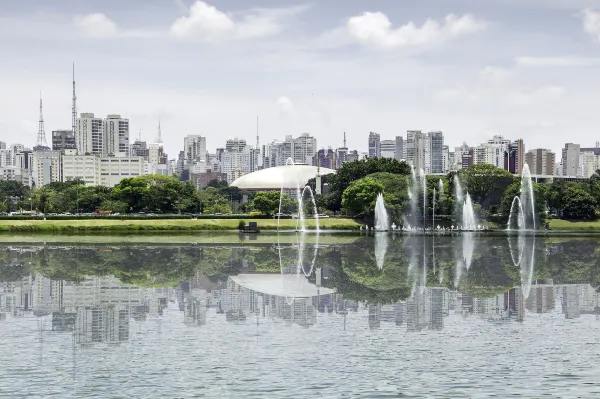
(114, 206)
(485, 183)
(361, 195)
(540, 193)
(267, 202)
(578, 203)
(352, 171)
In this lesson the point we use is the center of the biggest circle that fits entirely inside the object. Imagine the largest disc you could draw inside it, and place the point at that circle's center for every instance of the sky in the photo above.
(470, 68)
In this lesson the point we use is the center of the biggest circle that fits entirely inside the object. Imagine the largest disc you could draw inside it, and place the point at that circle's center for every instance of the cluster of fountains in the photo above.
(412, 220)
(522, 213)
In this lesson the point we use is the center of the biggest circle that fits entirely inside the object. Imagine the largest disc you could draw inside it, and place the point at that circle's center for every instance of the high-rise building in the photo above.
(116, 135)
(90, 134)
(195, 148)
(400, 154)
(46, 167)
(235, 145)
(410, 149)
(2, 145)
(24, 160)
(139, 149)
(374, 145)
(63, 140)
(514, 159)
(388, 149)
(570, 159)
(446, 159)
(588, 163)
(540, 161)
(305, 148)
(436, 143)
(499, 148)
(483, 154)
(325, 158)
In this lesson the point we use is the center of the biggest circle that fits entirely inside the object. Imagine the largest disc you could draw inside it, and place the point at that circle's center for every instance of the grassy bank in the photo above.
(66, 226)
(559, 224)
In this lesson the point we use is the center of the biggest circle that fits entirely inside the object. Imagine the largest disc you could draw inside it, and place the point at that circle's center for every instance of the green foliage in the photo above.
(578, 203)
(114, 206)
(352, 171)
(485, 183)
(395, 193)
(361, 195)
(241, 225)
(514, 190)
(267, 202)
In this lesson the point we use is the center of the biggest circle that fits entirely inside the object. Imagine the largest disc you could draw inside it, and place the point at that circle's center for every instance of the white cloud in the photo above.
(541, 95)
(375, 29)
(556, 61)
(96, 25)
(591, 22)
(285, 105)
(206, 22)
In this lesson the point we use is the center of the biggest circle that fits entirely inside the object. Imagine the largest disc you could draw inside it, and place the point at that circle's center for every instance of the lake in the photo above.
(300, 316)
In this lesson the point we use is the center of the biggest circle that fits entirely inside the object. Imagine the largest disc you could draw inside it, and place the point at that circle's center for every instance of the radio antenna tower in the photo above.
(159, 138)
(345, 139)
(41, 138)
(74, 110)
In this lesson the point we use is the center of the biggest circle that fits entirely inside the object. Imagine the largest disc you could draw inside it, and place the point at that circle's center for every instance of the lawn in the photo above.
(559, 224)
(103, 225)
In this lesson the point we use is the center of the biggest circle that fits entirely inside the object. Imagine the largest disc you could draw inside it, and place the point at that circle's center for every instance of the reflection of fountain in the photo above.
(463, 207)
(523, 217)
(464, 256)
(524, 259)
(382, 222)
(381, 246)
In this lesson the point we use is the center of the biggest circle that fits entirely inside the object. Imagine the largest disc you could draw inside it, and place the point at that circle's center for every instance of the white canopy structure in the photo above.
(289, 177)
(284, 285)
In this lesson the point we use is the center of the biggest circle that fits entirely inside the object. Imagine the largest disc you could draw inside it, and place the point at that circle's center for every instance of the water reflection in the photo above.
(416, 283)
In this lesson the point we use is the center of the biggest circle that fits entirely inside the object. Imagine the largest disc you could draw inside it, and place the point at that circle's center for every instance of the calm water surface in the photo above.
(301, 316)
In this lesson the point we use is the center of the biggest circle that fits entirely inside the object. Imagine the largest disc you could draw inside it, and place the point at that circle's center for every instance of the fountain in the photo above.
(522, 210)
(382, 221)
(300, 196)
(301, 217)
(424, 190)
(463, 207)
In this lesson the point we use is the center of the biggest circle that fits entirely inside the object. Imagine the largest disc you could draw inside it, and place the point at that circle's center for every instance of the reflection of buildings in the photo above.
(541, 299)
(105, 323)
(425, 310)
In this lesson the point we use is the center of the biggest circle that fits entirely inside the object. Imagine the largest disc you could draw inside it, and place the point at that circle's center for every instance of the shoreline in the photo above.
(165, 225)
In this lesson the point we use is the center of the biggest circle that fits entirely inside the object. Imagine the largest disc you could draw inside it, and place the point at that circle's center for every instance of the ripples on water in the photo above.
(100, 321)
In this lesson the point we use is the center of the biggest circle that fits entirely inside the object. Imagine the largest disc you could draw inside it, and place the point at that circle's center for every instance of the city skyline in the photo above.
(178, 63)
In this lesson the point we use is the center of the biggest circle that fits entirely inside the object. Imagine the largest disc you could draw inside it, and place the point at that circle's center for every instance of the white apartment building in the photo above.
(84, 167)
(484, 154)
(588, 164)
(89, 134)
(46, 167)
(305, 147)
(116, 135)
(374, 145)
(6, 158)
(500, 147)
(236, 164)
(195, 147)
(112, 169)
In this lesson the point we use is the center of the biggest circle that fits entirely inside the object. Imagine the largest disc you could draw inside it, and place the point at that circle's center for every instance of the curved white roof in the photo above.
(288, 177)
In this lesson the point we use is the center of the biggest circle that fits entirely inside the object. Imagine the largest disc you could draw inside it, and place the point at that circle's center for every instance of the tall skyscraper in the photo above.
(90, 134)
(116, 135)
(499, 147)
(436, 141)
(374, 145)
(570, 159)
